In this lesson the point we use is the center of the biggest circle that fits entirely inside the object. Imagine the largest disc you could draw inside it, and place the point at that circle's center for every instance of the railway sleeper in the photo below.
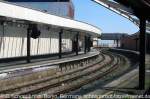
(38, 81)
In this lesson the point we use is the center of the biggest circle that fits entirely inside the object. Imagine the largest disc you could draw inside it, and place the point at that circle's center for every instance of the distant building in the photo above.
(63, 8)
(131, 42)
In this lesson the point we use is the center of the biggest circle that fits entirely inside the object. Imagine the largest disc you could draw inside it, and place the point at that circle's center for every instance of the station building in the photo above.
(64, 8)
(42, 28)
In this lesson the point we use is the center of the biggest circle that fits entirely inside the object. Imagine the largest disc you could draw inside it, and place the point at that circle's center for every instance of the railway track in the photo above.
(12, 88)
(63, 83)
(84, 80)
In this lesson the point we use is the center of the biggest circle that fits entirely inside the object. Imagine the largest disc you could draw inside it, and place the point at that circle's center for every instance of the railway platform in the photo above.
(37, 63)
(50, 65)
(124, 85)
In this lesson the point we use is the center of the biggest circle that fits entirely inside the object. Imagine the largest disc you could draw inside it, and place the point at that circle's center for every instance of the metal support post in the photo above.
(136, 42)
(85, 44)
(28, 45)
(60, 43)
(89, 44)
(117, 43)
(77, 43)
(142, 54)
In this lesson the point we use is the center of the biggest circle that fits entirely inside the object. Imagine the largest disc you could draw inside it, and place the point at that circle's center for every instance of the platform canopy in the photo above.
(130, 9)
(38, 0)
(138, 11)
(30, 15)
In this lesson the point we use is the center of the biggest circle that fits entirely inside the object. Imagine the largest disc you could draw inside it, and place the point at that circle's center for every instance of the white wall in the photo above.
(13, 43)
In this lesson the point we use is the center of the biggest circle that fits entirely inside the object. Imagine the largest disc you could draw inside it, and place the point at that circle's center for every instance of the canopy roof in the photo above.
(27, 14)
(38, 0)
(130, 9)
(140, 8)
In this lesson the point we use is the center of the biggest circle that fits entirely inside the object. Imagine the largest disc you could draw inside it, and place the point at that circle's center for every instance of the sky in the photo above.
(108, 21)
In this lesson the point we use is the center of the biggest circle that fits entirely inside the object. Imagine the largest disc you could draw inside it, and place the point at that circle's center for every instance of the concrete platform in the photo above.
(122, 85)
(147, 61)
(9, 67)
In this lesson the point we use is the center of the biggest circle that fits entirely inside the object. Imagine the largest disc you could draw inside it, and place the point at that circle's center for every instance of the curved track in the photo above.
(69, 81)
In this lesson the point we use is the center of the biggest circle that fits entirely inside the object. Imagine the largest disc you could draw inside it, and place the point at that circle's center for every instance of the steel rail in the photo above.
(12, 88)
(59, 83)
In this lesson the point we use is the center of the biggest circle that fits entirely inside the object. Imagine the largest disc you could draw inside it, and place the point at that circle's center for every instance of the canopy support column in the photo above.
(142, 53)
(117, 41)
(136, 44)
(89, 44)
(28, 45)
(85, 42)
(77, 43)
(60, 44)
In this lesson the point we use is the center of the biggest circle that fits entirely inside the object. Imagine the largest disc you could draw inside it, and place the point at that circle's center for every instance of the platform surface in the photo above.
(36, 63)
(122, 84)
